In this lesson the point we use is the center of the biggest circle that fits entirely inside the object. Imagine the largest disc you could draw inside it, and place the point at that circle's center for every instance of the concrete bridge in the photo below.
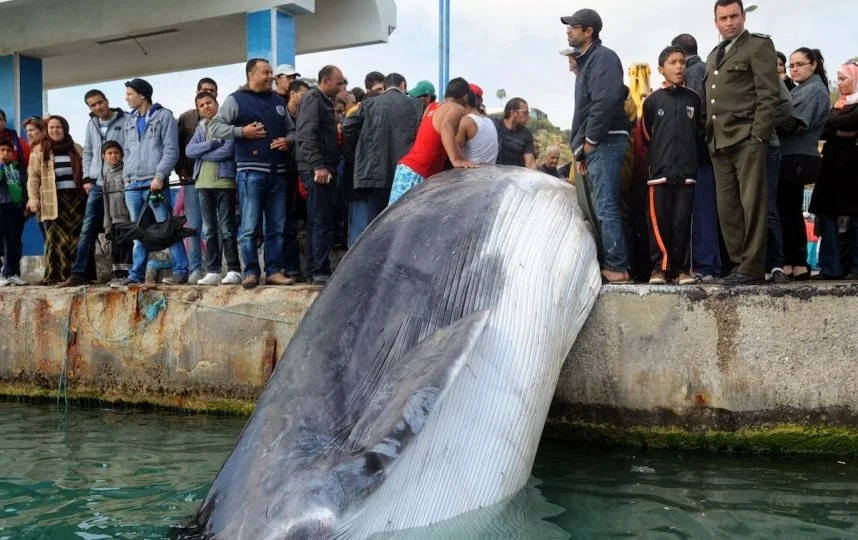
(758, 368)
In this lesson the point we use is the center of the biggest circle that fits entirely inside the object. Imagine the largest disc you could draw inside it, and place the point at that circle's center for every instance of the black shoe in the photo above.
(825, 277)
(320, 279)
(778, 276)
(804, 276)
(739, 279)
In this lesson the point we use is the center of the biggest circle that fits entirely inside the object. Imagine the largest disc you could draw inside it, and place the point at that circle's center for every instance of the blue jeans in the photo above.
(321, 199)
(363, 211)
(195, 221)
(218, 213)
(604, 165)
(775, 242)
(830, 259)
(135, 200)
(263, 203)
(92, 222)
(705, 249)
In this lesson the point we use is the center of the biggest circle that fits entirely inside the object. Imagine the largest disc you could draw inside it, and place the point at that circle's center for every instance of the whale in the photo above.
(416, 387)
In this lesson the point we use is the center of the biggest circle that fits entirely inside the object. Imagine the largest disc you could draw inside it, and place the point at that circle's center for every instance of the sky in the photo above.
(512, 45)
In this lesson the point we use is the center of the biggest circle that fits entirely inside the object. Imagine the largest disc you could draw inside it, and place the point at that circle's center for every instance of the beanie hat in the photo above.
(140, 86)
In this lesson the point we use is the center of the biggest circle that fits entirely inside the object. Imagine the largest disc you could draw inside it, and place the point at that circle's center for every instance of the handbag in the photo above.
(800, 169)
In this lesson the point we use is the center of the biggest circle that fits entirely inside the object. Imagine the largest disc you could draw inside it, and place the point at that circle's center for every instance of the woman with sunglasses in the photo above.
(835, 195)
(800, 164)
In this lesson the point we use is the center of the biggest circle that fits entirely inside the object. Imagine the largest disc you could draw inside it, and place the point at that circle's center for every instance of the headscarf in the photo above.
(851, 71)
(66, 145)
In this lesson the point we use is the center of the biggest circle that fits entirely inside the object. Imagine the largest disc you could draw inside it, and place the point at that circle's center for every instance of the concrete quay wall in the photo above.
(664, 366)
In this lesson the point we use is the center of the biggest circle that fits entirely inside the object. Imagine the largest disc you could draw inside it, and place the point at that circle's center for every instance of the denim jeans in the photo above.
(195, 221)
(291, 251)
(321, 199)
(263, 203)
(604, 165)
(775, 243)
(217, 207)
(92, 221)
(830, 254)
(363, 211)
(705, 249)
(135, 200)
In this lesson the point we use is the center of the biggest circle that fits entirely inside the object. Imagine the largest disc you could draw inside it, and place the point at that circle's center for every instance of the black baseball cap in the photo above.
(587, 18)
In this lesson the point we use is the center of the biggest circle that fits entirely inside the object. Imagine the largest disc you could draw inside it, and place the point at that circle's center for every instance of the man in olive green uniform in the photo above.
(742, 94)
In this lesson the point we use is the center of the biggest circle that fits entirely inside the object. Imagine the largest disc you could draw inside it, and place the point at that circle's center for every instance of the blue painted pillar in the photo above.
(271, 35)
(20, 88)
(21, 97)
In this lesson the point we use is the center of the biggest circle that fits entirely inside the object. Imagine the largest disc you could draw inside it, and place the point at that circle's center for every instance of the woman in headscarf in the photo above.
(800, 163)
(836, 191)
(55, 193)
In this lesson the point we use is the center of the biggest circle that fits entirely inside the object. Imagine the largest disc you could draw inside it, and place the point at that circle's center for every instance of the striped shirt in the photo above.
(63, 171)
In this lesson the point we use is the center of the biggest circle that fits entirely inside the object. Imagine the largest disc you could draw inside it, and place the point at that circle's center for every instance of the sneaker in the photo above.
(686, 279)
(175, 279)
(321, 280)
(232, 278)
(15, 280)
(4, 281)
(74, 280)
(209, 279)
(195, 277)
(657, 278)
(704, 278)
(778, 276)
(250, 281)
(279, 279)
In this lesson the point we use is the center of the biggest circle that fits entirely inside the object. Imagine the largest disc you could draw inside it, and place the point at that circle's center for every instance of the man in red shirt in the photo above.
(436, 141)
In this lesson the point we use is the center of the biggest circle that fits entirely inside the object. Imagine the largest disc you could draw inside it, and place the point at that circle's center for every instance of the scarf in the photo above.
(851, 71)
(64, 146)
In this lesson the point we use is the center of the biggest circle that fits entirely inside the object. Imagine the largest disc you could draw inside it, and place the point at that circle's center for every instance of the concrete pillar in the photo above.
(21, 94)
(271, 35)
(20, 88)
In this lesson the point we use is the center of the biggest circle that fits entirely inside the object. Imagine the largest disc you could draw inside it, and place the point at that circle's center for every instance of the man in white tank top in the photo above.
(477, 135)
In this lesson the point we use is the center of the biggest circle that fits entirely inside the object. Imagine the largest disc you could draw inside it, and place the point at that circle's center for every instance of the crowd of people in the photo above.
(706, 182)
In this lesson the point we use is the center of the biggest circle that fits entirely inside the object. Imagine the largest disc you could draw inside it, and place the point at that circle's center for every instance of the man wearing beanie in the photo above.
(151, 153)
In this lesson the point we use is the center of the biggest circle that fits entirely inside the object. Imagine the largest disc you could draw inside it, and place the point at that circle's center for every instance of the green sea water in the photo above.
(96, 474)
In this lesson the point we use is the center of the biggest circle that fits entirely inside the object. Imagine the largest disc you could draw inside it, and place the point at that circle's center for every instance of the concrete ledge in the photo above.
(750, 368)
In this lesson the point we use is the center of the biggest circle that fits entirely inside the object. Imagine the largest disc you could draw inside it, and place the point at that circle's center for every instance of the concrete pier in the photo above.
(758, 368)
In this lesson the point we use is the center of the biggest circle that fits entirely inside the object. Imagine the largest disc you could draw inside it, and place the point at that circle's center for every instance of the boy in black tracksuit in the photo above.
(673, 126)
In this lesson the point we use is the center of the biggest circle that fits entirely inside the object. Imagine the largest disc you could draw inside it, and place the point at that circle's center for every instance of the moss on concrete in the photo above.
(774, 439)
(197, 404)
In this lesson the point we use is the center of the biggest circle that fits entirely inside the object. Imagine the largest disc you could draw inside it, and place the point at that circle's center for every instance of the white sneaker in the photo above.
(209, 279)
(232, 278)
(195, 278)
(16, 280)
(4, 281)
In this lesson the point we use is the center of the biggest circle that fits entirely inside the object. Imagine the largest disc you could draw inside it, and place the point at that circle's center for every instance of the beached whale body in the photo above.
(417, 385)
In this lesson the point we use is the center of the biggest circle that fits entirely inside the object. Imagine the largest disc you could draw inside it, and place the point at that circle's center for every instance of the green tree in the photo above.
(501, 95)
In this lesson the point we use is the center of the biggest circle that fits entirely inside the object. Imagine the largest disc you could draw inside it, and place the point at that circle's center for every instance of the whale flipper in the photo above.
(397, 404)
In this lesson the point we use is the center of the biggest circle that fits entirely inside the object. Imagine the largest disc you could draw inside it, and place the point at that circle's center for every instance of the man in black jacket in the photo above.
(317, 155)
(387, 126)
(600, 133)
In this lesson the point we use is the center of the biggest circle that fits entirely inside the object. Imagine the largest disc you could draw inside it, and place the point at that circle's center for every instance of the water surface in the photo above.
(111, 474)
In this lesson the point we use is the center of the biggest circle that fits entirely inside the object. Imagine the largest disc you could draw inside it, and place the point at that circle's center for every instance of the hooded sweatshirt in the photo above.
(151, 144)
(94, 140)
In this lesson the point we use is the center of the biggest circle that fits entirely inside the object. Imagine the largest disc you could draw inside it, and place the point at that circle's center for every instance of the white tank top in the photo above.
(483, 148)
